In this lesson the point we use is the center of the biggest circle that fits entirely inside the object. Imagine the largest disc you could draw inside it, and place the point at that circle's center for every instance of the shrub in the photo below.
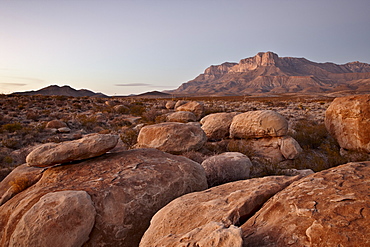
(12, 127)
(129, 137)
(309, 134)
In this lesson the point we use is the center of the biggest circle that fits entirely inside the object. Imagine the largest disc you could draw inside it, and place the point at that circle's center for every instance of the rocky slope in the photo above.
(64, 91)
(269, 73)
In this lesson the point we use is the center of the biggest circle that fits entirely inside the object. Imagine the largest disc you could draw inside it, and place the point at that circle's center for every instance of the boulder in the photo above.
(63, 218)
(348, 121)
(273, 149)
(226, 167)
(170, 104)
(329, 208)
(121, 109)
(172, 137)
(126, 190)
(194, 107)
(55, 124)
(230, 204)
(257, 124)
(181, 117)
(87, 147)
(217, 125)
(180, 103)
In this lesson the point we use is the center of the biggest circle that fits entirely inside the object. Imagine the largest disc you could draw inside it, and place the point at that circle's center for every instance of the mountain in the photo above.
(267, 73)
(63, 91)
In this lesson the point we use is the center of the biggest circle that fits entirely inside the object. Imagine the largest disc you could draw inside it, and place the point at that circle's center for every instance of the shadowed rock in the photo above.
(217, 125)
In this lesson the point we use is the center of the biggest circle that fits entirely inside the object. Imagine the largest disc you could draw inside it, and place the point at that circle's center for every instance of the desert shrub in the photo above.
(150, 115)
(11, 143)
(137, 109)
(309, 134)
(32, 115)
(88, 122)
(11, 127)
(129, 137)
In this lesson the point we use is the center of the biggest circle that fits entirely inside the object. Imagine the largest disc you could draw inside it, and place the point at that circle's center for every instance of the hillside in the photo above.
(62, 91)
(268, 73)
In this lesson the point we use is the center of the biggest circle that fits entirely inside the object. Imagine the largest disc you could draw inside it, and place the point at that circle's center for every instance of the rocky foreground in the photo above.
(246, 184)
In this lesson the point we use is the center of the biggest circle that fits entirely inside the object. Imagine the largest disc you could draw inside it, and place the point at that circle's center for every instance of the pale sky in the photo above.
(122, 47)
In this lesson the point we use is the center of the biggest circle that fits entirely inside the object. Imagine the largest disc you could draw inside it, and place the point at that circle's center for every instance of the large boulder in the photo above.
(257, 124)
(172, 137)
(226, 167)
(228, 205)
(194, 107)
(181, 117)
(273, 149)
(348, 121)
(55, 124)
(39, 225)
(217, 125)
(126, 190)
(329, 208)
(55, 153)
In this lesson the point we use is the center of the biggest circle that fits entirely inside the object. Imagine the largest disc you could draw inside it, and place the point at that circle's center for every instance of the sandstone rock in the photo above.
(348, 121)
(170, 104)
(18, 180)
(211, 234)
(229, 204)
(217, 125)
(329, 208)
(180, 103)
(289, 147)
(55, 124)
(181, 116)
(64, 130)
(256, 124)
(226, 167)
(194, 107)
(126, 189)
(63, 218)
(172, 137)
(295, 172)
(55, 153)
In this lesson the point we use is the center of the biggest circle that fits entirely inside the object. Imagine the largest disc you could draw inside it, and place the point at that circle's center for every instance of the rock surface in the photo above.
(126, 189)
(56, 124)
(229, 204)
(172, 137)
(181, 117)
(87, 147)
(348, 121)
(211, 234)
(63, 218)
(226, 167)
(257, 124)
(329, 208)
(194, 107)
(217, 125)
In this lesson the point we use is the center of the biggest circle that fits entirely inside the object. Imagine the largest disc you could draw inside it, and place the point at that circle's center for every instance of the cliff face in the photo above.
(266, 72)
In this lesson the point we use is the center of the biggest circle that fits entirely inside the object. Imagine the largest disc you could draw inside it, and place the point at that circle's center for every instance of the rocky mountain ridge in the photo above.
(266, 72)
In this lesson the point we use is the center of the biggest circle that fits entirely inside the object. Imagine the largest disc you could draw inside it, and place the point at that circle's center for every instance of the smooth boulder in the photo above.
(192, 106)
(328, 208)
(87, 147)
(181, 117)
(217, 125)
(58, 219)
(172, 137)
(348, 120)
(257, 124)
(226, 167)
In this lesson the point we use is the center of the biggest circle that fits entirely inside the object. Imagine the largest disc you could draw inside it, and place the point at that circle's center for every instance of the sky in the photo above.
(123, 47)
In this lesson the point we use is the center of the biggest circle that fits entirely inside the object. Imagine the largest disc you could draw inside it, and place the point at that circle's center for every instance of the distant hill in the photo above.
(153, 94)
(62, 91)
(267, 73)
